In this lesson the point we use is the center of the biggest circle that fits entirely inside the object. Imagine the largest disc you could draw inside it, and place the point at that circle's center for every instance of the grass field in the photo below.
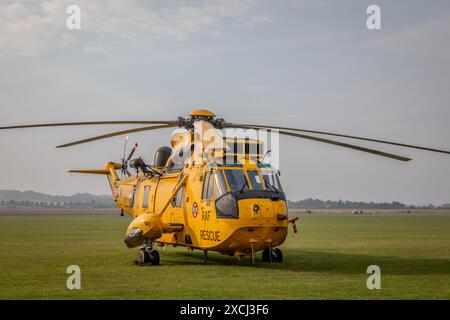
(326, 260)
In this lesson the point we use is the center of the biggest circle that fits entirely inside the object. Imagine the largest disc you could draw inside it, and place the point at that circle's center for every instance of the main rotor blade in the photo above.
(343, 136)
(87, 123)
(340, 144)
(114, 134)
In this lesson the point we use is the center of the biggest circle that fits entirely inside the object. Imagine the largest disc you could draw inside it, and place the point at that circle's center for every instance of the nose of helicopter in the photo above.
(264, 224)
(262, 209)
(266, 211)
(134, 237)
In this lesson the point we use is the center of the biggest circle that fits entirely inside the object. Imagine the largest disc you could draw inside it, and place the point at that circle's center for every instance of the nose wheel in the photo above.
(147, 256)
(272, 255)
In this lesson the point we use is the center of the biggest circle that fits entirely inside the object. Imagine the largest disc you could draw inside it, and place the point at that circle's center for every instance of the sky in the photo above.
(310, 64)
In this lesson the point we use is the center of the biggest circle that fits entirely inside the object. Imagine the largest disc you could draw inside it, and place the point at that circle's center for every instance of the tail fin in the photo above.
(109, 170)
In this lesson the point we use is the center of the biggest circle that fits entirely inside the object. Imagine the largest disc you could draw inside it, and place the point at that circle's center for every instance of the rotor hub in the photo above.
(200, 115)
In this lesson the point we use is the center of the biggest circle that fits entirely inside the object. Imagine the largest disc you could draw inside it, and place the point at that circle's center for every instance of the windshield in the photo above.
(271, 180)
(255, 180)
(236, 180)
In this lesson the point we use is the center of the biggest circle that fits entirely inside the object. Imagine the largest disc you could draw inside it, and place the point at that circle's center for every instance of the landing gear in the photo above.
(147, 255)
(272, 255)
(154, 257)
(144, 257)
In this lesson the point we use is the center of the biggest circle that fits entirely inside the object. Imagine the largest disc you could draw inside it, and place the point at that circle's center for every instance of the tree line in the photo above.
(311, 203)
(53, 204)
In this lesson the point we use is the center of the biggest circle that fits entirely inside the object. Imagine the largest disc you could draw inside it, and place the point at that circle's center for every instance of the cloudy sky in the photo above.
(305, 63)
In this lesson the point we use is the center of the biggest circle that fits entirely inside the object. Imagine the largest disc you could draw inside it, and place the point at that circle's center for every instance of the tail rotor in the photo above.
(125, 161)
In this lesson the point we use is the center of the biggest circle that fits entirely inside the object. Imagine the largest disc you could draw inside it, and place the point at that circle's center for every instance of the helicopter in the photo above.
(206, 191)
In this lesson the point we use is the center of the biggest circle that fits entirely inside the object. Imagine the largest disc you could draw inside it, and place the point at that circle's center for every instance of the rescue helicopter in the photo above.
(206, 191)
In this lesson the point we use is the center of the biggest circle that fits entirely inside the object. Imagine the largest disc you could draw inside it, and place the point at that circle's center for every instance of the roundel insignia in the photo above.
(194, 209)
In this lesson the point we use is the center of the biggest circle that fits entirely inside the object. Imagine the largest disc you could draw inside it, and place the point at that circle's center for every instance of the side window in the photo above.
(210, 190)
(205, 185)
(208, 186)
(178, 200)
(271, 180)
(146, 196)
(220, 185)
(131, 198)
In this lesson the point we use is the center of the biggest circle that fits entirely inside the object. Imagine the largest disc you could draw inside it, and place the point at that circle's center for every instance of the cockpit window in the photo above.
(220, 185)
(271, 180)
(255, 180)
(236, 180)
(208, 186)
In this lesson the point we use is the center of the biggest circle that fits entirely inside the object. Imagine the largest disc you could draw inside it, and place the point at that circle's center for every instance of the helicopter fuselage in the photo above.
(226, 208)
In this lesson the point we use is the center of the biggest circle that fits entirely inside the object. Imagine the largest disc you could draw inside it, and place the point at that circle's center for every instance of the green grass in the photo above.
(326, 260)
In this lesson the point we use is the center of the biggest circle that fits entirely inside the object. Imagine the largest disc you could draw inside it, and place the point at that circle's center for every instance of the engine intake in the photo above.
(162, 155)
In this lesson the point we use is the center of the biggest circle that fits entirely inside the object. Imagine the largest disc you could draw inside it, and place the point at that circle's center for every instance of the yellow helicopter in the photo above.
(206, 191)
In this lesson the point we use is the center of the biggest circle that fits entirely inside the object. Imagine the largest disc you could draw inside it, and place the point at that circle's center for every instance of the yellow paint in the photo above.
(202, 113)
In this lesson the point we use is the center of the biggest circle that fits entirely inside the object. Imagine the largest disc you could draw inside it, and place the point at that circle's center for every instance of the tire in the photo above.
(273, 255)
(266, 255)
(144, 257)
(277, 255)
(154, 257)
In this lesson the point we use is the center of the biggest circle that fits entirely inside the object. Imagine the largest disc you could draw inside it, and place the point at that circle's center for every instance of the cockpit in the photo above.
(241, 180)
(225, 186)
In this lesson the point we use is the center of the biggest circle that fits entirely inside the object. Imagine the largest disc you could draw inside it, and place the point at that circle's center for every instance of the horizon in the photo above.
(290, 200)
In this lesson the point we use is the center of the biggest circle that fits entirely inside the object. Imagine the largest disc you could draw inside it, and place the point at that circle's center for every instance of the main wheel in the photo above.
(278, 255)
(266, 255)
(154, 257)
(272, 255)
